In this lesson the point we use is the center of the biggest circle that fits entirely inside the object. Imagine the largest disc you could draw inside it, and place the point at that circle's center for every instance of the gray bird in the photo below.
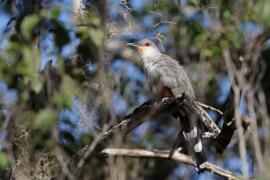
(167, 78)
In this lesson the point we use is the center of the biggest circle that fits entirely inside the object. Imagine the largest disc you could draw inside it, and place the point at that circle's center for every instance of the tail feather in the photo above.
(189, 124)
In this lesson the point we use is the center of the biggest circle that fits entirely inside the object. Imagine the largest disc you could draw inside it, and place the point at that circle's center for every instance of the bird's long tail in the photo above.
(189, 122)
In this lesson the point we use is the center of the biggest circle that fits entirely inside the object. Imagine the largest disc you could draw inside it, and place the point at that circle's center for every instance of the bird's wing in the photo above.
(173, 76)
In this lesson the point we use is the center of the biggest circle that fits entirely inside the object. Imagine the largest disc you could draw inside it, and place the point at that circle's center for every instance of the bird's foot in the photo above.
(208, 135)
(199, 169)
(165, 99)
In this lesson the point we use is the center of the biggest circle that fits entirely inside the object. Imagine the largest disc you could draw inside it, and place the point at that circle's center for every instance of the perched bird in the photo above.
(167, 78)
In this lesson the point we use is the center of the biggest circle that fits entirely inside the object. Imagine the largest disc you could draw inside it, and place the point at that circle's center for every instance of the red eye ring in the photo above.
(147, 44)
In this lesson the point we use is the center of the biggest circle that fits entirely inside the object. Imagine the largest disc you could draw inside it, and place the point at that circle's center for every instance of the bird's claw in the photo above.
(208, 135)
(165, 99)
(199, 169)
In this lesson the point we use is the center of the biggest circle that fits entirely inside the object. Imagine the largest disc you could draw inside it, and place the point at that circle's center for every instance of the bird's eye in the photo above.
(147, 44)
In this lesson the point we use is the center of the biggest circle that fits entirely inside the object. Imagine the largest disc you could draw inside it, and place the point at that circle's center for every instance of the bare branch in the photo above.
(228, 127)
(206, 119)
(209, 107)
(236, 92)
(88, 150)
(171, 105)
(177, 156)
(161, 20)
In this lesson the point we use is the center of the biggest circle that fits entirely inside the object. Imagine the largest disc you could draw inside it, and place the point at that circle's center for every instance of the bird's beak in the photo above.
(139, 48)
(133, 44)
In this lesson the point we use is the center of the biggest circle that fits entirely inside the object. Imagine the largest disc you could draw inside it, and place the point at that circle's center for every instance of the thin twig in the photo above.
(159, 37)
(90, 148)
(208, 107)
(125, 4)
(207, 120)
(161, 20)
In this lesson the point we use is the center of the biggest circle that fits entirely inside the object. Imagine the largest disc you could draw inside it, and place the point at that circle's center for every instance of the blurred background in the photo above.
(66, 74)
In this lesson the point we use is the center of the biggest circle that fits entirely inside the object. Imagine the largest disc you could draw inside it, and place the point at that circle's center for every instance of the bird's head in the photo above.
(146, 48)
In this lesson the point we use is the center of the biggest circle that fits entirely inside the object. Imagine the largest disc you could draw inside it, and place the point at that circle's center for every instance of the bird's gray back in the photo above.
(171, 74)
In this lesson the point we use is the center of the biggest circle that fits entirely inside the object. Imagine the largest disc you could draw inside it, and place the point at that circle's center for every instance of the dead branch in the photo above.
(208, 107)
(206, 119)
(228, 127)
(237, 79)
(177, 156)
(88, 150)
(170, 105)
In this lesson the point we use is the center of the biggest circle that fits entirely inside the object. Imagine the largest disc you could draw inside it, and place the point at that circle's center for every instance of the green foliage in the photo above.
(22, 61)
(94, 35)
(68, 90)
(53, 13)
(4, 160)
(90, 19)
(262, 10)
(43, 93)
(30, 68)
(91, 40)
(45, 120)
(28, 25)
(97, 36)
(60, 33)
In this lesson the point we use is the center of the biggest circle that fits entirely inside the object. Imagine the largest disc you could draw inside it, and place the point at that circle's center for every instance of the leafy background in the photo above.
(66, 74)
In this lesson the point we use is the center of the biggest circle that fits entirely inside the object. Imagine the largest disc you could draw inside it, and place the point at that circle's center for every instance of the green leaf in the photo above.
(68, 90)
(82, 33)
(30, 68)
(91, 19)
(96, 36)
(28, 25)
(215, 51)
(51, 14)
(4, 160)
(37, 84)
(45, 119)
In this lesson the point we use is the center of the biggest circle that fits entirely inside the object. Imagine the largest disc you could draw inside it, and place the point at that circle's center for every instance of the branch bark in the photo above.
(236, 80)
(170, 106)
(228, 127)
(177, 156)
